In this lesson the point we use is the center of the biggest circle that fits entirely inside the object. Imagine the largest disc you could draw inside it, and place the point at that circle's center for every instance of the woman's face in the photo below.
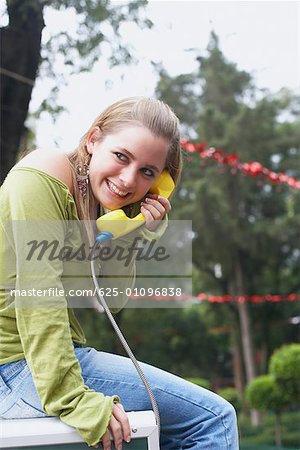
(125, 164)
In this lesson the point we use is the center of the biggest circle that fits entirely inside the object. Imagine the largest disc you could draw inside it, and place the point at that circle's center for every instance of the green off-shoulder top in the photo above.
(35, 209)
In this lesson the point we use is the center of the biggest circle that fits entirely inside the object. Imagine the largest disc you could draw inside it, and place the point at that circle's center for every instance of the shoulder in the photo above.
(53, 163)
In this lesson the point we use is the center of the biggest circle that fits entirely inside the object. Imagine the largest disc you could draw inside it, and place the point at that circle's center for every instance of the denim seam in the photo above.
(203, 407)
(154, 387)
(4, 392)
(30, 407)
(226, 430)
(15, 369)
(110, 381)
(187, 400)
(20, 377)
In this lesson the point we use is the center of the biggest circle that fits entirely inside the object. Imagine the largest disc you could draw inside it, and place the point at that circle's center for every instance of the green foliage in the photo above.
(94, 20)
(232, 396)
(263, 393)
(241, 223)
(181, 93)
(97, 329)
(285, 368)
(97, 22)
(260, 437)
(203, 382)
(222, 93)
(277, 393)
(176, 340)
(94, 27)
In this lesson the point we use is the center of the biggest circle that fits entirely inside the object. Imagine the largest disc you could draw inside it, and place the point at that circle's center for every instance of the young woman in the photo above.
(44, 367)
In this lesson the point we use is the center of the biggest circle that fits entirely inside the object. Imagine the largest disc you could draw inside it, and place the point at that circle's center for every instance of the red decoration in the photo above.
(252, 168)
(248, 298)
(269, 298)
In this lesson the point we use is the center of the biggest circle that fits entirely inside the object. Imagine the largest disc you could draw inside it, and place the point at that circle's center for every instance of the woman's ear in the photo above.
(93, 136)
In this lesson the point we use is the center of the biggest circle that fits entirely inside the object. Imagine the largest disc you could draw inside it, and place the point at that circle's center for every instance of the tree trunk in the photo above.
(246, 335)
(238, 288)
(20, 58)
(245, 326)
(238, 374)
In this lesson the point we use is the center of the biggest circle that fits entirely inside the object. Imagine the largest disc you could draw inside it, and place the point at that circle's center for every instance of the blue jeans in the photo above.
(191, 417)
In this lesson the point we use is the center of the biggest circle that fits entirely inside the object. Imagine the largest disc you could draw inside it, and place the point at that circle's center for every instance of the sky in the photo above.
(261, 37)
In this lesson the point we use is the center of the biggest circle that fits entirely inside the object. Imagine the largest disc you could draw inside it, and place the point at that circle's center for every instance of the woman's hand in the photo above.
(154, 208)
(119, 428)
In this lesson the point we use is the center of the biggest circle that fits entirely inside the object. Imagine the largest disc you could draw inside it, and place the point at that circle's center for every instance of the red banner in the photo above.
(249, 298)
(269, 298)
(252, 168)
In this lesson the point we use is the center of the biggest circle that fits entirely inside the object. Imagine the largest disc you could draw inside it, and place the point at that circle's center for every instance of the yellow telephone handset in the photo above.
(116, 224)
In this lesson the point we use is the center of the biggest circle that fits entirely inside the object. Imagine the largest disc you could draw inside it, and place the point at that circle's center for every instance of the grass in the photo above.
(263, 436)
(264, 447)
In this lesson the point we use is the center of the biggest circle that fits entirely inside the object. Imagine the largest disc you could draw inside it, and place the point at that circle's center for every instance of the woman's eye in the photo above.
(148, 172)
(121, 156)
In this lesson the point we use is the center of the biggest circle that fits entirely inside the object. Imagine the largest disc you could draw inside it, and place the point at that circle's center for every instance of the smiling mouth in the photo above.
(113, 188)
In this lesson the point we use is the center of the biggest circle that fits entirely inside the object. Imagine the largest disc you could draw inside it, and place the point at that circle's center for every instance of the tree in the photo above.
(222, 88)
(244, 235)
(23, 57)
(262, 393)
(285, 368)
(279, 389)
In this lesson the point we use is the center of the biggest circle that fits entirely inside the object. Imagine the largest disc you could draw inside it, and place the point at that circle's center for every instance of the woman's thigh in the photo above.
(115, 374)
(189, 413)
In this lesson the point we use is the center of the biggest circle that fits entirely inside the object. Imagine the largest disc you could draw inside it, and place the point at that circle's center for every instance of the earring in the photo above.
(82, 177)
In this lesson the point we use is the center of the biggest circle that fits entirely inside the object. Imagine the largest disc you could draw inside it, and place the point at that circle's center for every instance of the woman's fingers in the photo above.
(106, 442)
(116, 431)
(163, 200)
(119, 428)
(152, 212)
(154, 208)
(123, 419)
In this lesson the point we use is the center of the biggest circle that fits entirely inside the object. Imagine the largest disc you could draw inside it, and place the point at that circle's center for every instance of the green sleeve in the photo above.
(43, 323)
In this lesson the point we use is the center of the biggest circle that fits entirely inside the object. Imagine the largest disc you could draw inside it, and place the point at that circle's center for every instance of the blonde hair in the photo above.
(148, 112)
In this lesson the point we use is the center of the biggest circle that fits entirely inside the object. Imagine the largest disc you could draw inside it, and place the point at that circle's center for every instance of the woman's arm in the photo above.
(37, 211)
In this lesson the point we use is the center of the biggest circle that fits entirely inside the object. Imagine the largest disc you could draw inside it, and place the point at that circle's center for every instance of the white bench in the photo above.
(36, 433)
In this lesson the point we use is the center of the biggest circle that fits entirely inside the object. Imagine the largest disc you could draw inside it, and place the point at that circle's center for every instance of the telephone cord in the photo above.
(123, 340)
